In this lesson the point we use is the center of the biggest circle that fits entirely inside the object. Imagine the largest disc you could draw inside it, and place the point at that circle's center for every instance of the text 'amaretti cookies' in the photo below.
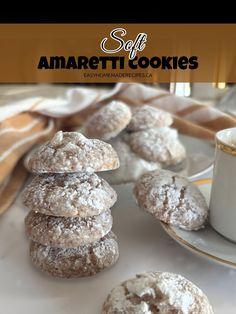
(70, 221)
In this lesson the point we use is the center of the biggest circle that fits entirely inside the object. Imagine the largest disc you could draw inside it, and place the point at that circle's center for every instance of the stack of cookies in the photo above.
(70, 221)
(143, 139)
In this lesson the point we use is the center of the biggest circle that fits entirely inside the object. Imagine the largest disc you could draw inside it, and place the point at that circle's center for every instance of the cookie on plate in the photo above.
(172, 199)
(108, 121)
(67, 232)
(70, 152)
(158, 145)
(157, 292)
(146, 117)
(82, 261)
(77, 194)
(132, 166)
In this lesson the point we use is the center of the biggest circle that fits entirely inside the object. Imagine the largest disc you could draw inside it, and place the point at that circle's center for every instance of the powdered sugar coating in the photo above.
(147, 117)
(67, 232)
(157, 293)
(72, 152)
(108, 121)
(160, 145)
(82, 261)
(131, 167)
(172, 198)
(76, 194)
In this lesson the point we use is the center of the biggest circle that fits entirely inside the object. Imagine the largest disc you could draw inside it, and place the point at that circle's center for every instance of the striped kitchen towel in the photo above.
(17, 135)
(31, 114)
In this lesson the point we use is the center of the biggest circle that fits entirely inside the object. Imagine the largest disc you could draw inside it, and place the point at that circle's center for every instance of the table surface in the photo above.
(144, 246)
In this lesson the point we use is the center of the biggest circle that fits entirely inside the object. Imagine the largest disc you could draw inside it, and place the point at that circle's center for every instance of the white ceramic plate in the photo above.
(206, 242)
(200, 157)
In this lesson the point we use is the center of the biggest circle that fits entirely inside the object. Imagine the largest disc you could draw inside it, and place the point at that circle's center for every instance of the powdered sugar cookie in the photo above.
(72, 152)
(76, 194)
(81, 261)
(109, 121)
(131, 167)
(172, 198)
(147, 117)
(157, 292)
(67, 232)
(161, 145)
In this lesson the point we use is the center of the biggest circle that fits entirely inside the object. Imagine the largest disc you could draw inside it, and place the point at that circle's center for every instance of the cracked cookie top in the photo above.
(172, 198)
(157, 293)
(147, 117)
(67, 232)
(76, 194)
(72, 152)
(81, 261)
(157, 144)
(109, 121)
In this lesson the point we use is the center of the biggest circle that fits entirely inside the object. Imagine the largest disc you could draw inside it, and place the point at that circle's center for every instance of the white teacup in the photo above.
(223, 193)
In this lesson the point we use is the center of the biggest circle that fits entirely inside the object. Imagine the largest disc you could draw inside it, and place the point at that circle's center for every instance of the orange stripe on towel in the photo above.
(13, 185)
(21, 144)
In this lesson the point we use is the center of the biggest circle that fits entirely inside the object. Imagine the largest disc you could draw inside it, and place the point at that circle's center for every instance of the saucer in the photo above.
(199, 157)
(206, 242)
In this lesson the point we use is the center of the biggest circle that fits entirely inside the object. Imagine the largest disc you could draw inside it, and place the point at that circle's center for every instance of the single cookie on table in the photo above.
(72, 152)
(131, 167)
(157, 292)
(67, 232)
(172, 199)
(108, 121)
(77, 194)
(81, 261)
(146, 117)
(160, 145)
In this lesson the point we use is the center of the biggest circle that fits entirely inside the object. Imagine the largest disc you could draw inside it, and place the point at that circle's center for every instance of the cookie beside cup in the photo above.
(172, 199)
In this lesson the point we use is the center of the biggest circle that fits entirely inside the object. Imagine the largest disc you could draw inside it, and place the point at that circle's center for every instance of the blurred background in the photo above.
(207, 93)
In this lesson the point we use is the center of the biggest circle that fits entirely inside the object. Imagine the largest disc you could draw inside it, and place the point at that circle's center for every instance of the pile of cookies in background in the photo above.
(145, 143)
(70, 221)
(142, 137)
